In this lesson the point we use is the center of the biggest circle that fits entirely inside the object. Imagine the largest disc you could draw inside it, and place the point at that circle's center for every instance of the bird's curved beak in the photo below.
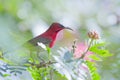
(68, 28)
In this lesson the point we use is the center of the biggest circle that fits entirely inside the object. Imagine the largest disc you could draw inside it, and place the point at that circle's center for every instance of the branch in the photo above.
(43, 64)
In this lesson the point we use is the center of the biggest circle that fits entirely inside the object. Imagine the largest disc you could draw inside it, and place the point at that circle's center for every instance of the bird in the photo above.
(47, 38)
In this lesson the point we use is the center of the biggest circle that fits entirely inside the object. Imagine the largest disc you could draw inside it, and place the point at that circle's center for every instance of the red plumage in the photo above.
(49, 36)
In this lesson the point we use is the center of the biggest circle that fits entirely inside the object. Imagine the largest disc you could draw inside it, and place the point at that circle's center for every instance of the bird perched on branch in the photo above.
(32, 46)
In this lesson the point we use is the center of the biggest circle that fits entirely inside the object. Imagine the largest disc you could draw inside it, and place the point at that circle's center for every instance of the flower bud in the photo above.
(93, 35)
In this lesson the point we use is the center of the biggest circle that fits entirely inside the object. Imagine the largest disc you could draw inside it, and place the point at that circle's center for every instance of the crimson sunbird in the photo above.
(32, 46)
(48, 37)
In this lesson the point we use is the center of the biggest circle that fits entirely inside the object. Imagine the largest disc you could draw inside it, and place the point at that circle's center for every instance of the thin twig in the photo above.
(43, 64)
(74, 46)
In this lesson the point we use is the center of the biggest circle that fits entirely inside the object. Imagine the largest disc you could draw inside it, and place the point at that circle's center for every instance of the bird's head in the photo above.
(52, 32)
(56, 27)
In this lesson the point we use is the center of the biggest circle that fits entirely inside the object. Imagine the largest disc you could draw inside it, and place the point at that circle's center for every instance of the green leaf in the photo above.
(93, 70)
(58, 76)
(39, 73)
(45, 74)
(100, 50)
(97, 46)
(104, 53)
(48, 50)
(95, 57)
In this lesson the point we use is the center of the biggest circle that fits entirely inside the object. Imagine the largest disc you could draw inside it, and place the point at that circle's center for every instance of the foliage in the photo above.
(99, 50)
(45, 73)
(93, 70)
(62, 65)
(73, 69)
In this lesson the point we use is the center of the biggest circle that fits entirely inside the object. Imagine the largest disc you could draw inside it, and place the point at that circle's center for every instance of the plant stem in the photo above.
(83, 55)
(51, 75)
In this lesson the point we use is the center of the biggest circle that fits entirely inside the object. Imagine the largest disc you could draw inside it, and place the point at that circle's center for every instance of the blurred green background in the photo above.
(20, 20)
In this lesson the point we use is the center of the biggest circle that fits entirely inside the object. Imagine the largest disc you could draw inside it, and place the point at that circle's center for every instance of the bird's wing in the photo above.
(43, 40)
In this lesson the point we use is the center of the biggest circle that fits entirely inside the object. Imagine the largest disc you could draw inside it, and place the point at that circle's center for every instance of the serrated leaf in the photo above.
(95, 57)
(96, 46)
(39, 74)
(93, 70)
(102, 53)
(58, 76)
(98, 49)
